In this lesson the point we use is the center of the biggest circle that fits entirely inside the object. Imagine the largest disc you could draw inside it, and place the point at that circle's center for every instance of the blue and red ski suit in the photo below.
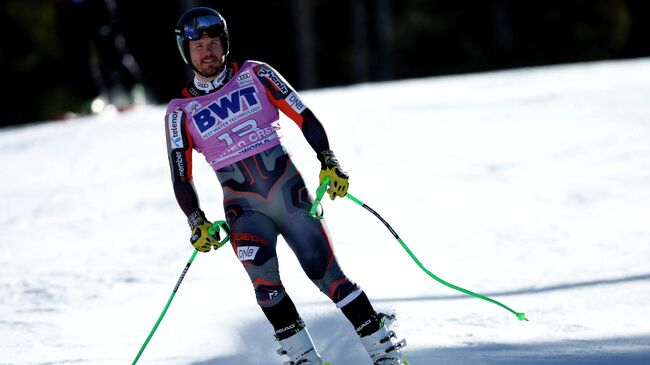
(264, 194)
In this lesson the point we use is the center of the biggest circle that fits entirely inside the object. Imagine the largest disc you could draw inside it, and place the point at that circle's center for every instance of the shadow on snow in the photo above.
(338, 344)
(533, 290)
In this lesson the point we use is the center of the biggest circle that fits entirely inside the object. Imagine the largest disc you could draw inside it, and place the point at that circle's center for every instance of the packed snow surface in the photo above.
(530, 186)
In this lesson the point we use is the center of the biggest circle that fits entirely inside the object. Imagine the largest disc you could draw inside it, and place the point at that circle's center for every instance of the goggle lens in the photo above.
(210, 24)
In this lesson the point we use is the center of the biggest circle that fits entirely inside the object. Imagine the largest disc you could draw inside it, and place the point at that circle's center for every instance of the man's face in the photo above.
(207, 55)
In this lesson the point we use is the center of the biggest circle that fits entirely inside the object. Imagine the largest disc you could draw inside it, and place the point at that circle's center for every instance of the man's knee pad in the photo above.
(268, 294)
(335, 284)
(266, 282)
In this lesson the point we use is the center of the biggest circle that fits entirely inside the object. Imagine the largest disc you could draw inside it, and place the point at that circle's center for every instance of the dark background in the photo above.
(45, 52)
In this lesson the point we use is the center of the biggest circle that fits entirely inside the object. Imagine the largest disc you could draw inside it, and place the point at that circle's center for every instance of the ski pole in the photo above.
(319, 195)
(212, 231)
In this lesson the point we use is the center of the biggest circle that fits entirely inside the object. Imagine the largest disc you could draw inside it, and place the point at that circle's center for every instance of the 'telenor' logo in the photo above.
(174, 129)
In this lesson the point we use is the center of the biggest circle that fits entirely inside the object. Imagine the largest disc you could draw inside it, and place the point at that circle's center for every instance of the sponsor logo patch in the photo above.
(203, 85)
(227, 108)
(295, 102)
(247, 253)
(180, 163)
(193, 106)
(271, 76)
(244, 78)
(250, 237)
(174, 129)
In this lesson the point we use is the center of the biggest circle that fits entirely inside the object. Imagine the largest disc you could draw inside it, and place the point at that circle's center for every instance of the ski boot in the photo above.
(381, 345)
(300, 349)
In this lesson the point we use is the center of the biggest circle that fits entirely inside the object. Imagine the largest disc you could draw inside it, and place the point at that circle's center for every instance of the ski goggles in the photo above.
(208, 24)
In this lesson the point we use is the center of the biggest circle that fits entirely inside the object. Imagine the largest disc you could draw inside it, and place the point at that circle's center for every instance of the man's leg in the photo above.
(254, 240)
(309, 240)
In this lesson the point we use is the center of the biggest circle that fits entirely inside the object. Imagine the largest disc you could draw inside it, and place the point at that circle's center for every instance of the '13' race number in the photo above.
(240, 130)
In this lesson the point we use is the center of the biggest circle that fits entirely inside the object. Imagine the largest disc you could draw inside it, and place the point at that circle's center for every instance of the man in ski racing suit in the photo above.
(230, 115)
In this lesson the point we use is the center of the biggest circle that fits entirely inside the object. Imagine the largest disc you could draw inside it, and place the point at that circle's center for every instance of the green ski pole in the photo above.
(212, 231)
(319, 195)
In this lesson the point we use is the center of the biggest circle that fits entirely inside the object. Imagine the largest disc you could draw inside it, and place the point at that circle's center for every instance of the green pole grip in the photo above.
(220, 225)
(320, 192)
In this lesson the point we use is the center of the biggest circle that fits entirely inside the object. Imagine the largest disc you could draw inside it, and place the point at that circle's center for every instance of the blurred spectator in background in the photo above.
(96, 60)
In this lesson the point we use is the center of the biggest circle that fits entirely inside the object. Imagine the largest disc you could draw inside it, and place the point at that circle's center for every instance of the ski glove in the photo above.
(338, 185)
(201, 239)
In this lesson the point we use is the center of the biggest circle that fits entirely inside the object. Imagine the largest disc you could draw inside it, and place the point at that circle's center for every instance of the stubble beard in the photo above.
(212, 70)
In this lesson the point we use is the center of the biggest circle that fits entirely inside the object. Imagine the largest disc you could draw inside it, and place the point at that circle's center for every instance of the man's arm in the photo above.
(283, 96)
(179, 152)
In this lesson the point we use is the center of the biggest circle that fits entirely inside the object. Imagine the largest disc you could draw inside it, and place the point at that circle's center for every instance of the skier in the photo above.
(230, 115)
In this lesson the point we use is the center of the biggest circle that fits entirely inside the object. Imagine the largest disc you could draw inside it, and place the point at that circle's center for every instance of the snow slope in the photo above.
(531, 186)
